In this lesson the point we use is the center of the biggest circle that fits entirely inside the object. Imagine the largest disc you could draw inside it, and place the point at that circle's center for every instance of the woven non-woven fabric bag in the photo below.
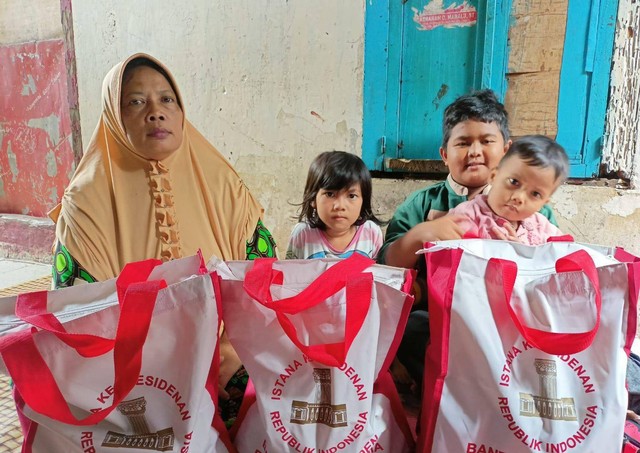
(125, 365)
(528, 347)
(317, 338)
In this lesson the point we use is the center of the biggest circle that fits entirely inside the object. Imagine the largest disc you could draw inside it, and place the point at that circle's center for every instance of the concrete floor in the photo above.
(14, 272)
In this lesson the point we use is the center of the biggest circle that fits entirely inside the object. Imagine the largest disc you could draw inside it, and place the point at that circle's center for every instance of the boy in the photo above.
(475, 137)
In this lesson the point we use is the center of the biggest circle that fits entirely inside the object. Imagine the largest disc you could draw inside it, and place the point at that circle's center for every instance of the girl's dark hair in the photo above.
(336, 170)
(540, 151)
(143, 61)
(482, 105)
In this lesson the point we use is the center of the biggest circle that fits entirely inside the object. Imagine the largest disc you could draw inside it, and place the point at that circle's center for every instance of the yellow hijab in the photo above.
(120, 207)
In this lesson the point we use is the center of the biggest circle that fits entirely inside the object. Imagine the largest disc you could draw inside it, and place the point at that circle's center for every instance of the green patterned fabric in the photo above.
(235, 388)
(261, 245)
(66, 270)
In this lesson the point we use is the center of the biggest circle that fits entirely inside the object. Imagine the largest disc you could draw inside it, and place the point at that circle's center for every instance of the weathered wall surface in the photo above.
(621, 151)
(536, 40)
(272, 84)
(36, 158)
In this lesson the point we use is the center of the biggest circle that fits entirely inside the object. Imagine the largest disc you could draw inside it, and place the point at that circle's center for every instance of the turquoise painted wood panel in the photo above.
(435, 51)
(584, 82)
(376, 86)
(438, 64)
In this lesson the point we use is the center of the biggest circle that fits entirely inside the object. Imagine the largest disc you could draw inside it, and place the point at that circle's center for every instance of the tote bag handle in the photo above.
(31, 374)
(500, 278)
(32, 309)
(347, 274)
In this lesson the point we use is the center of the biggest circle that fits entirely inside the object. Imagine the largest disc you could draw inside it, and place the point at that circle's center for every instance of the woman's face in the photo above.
(150, 113)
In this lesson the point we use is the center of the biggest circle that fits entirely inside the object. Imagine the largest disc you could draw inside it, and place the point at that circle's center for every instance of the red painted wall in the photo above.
(36, 158)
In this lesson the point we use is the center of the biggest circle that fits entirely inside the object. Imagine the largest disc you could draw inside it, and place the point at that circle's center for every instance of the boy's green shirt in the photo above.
(431, 203)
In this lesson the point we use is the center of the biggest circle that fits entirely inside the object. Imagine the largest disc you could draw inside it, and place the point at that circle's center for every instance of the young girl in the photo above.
(335, 218)
(526, 177)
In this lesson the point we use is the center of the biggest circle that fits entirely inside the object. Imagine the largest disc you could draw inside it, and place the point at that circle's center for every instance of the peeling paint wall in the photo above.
(272, 84)
(35, 151)
(622, 140)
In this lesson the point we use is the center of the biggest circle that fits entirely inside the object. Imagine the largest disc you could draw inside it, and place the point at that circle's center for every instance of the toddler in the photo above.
(524, 180)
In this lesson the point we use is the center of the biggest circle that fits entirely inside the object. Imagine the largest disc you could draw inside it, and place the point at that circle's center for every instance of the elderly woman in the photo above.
(150, 186)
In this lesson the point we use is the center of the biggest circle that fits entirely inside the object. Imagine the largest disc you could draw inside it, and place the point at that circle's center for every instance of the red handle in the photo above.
(32, 376)
(32, 309)
(500, 278)
(347, 273)
(261, 276)
(563, 238)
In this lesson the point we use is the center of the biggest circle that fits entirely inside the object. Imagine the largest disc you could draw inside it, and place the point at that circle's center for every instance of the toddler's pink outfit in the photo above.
(534, 230)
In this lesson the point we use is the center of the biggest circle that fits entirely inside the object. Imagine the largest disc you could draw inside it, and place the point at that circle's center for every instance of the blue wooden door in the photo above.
(584, 83)
(437, 50)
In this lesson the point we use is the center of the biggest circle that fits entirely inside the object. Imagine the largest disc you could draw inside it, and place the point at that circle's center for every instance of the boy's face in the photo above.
(473, 150)
(519, 190)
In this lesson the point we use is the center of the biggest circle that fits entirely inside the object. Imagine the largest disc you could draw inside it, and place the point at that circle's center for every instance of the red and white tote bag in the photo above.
(528, 347)
(317, 338)
(125, 365)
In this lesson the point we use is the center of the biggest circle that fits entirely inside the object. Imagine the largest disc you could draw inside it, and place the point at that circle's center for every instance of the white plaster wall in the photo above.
(36, 20)
(274, 83)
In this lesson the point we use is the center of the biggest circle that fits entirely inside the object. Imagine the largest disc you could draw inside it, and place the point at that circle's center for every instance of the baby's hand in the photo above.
(443, 229)
(509, 235)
